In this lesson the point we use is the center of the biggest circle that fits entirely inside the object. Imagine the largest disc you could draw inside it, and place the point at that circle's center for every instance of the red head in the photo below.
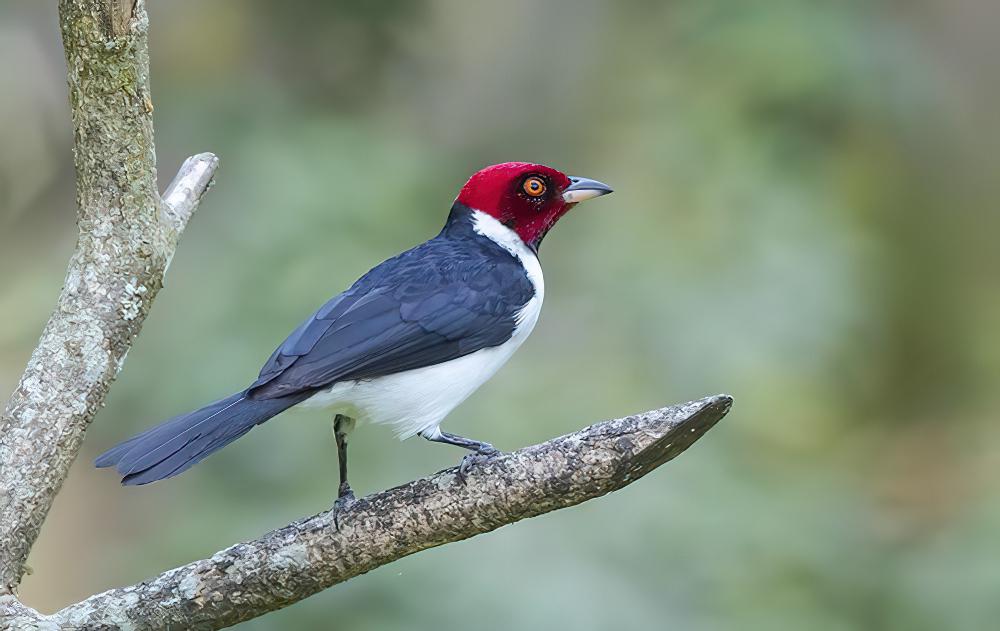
(527, 198)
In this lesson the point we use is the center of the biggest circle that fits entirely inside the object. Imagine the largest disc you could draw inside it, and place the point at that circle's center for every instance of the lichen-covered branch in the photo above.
(127, 236)
(289, 564)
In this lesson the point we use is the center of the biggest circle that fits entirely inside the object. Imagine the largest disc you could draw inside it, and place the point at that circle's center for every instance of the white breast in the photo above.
(418, 400)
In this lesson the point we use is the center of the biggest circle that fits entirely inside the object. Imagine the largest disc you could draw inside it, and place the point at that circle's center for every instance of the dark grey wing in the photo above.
(437, 302)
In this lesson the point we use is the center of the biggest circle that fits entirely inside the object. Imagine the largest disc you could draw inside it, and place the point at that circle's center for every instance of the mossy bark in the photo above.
(126, 238)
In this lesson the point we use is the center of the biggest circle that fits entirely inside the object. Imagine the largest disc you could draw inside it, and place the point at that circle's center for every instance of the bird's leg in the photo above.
(342, 426)
(482, 451)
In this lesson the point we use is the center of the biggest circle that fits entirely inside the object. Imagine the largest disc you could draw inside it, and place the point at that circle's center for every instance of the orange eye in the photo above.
(534, 187)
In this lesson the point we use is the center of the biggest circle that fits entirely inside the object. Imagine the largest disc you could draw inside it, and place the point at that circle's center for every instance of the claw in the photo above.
(484, 454)
(342, 506)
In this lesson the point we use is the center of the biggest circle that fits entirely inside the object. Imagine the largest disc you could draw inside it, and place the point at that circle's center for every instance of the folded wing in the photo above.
(437, 302)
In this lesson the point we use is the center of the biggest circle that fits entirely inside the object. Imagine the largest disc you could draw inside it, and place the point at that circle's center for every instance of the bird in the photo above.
(406, 343)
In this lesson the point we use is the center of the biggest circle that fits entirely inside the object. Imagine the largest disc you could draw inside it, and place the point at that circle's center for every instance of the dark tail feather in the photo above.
(175, 445)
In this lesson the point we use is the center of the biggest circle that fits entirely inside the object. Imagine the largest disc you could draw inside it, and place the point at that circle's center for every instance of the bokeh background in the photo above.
(805, 217)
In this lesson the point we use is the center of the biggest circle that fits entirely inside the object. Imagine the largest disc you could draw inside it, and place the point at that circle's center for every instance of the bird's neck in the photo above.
(468, 223)
(460, 222)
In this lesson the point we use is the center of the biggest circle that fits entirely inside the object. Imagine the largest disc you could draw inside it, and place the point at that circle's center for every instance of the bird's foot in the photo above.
(485, 453)
(345, 500)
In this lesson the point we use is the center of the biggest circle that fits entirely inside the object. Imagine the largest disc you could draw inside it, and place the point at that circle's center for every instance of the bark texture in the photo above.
(294, 562)
(127, 235)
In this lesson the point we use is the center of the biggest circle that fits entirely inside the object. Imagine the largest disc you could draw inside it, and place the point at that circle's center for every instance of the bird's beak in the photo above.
(581, 189)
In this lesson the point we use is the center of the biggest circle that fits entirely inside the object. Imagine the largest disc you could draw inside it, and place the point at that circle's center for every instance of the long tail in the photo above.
(175, 445)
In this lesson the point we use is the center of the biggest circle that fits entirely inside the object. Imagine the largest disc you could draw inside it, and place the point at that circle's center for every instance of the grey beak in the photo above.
(581, 189)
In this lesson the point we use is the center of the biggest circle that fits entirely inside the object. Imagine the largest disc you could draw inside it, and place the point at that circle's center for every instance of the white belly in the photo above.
(417, 401)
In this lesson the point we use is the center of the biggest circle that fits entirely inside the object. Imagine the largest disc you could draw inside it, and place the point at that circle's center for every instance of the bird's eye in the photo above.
(534, 187)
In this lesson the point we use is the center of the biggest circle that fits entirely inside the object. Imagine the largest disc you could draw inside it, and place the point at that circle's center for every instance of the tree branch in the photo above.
(305, 557)
(128, 234)
(193, 180)
(127, 237)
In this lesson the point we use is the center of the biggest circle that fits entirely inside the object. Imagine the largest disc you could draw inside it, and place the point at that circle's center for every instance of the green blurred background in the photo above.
(805, 217)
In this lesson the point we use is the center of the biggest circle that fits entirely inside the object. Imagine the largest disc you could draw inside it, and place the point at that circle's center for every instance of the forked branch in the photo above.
(127, 237)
